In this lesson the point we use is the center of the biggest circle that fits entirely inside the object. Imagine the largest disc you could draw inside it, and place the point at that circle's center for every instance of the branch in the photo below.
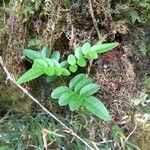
(94, 20)
(10, 77)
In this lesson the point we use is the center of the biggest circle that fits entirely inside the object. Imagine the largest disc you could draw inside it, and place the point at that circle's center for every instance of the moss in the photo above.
(11, 98)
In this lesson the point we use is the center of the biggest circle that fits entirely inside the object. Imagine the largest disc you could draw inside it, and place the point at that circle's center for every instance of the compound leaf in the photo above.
(30, 75)
(75, 102)
(71, 59)
(75, 80)
(89, 89)
(65, 98)
(32, 54)
(95, 106)
(56, 55)
(59, 91)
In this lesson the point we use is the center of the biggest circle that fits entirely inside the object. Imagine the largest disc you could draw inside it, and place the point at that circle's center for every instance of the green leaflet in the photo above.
(45, 52)
(82, 84)
(86, 47)
(50, 62)
(65, 97)
(91, 55)
(101, 48)
(73, 68)
(49, 71)
(75, 102)
(89, 89)
(64, 64)
(58, 71)
(59, 91)
(78, 52)
(30, 75)
(65, 72)
(95, 106)
(75, 80)
(71, 59)
(40, 63)
(81, 62)
(56, 63)
(32, 54)
(56, 55)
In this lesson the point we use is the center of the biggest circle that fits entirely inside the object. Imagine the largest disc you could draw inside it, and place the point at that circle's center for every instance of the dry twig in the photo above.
(94, 20)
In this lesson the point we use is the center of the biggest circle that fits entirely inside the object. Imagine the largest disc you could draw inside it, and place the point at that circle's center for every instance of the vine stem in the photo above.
(10, 77)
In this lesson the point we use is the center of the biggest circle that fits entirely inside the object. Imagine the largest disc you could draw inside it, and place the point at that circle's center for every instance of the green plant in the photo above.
(119, 137)
(42, 64)
(136, 11)
(66, 2)
(18, 129)
(80, 90)
(79, 93)
(87, 52)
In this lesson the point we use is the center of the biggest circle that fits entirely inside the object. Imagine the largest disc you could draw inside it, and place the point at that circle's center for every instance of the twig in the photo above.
(94, 20)
(5, 117)
(97, 30)
(9, 77)
(96, 148)
(132, 131)
(44, 134)
(52, 133)
(4, 5)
